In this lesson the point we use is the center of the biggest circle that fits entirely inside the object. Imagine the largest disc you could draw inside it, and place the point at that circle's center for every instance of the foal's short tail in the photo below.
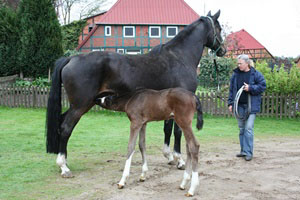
(54, 117)
(199, 113)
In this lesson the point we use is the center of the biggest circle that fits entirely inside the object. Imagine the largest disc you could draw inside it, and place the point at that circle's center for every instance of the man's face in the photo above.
(243, 66)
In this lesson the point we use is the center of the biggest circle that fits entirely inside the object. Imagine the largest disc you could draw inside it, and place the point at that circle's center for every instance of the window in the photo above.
(107, 30)
(154, 31)
(129, 31)
(172, 31)
(90, 28)
(120, 51)
(133, 51)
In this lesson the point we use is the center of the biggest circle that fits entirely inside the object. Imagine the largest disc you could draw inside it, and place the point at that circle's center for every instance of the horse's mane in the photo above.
(182, 34)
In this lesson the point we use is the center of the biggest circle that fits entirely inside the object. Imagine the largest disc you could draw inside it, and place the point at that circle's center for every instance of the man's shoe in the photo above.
(240, 155)
(248, 158)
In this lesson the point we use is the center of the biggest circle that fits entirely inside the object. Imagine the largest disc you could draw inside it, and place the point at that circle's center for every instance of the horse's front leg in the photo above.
(168, 125)
(142, 146)
(177, 144)
(134, 130)
(70, 119)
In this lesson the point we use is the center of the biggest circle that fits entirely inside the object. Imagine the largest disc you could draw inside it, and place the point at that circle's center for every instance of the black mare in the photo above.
(98, 74)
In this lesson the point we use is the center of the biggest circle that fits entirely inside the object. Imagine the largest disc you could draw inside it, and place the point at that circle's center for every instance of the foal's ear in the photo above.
(217, 15)
(209, 14)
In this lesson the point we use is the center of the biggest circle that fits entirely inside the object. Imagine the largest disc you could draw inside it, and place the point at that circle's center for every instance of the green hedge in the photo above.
(280, 81)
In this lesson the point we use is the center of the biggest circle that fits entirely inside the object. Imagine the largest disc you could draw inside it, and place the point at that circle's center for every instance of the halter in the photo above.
(216, 39)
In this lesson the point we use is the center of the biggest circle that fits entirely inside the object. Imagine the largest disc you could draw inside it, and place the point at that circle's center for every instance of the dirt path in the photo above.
(273, 174)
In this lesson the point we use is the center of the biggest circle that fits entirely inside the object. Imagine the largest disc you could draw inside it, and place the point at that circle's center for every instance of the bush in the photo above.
(38, 82)
(280, 81)
(212, 76)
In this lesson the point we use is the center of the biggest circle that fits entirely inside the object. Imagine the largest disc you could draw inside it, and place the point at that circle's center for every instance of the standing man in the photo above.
(249, 102)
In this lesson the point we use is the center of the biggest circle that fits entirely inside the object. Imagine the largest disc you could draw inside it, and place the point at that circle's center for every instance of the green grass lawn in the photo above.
(27, 172)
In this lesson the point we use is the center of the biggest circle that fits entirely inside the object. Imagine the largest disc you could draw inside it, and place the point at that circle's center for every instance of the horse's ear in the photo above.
(217, 15)
(209, 14)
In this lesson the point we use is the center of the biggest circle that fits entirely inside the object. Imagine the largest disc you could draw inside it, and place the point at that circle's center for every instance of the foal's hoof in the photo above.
(67, 175)
(189, 195)
(181, 187)
(120, 186)
(142, 179)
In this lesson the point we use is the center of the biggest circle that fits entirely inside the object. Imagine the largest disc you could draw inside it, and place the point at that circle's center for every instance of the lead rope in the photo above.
(236, 102)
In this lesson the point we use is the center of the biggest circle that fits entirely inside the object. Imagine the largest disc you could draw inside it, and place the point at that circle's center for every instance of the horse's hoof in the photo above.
(142, 179)
(181, 167)
(181, 187)
(172, 162)
(67, 175)
(188, 195)
(120, 186)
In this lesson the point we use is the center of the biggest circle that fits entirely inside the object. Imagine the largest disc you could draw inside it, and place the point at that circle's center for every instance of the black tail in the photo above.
(199, 113)
(54, 116)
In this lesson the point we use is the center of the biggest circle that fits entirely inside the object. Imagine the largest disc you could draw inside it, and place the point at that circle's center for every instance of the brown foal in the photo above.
(152, 105)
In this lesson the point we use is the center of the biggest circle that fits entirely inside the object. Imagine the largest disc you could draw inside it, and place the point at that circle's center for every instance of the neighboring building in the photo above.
(242, 42)
(136, 26)
(91, 21)
(298, 62)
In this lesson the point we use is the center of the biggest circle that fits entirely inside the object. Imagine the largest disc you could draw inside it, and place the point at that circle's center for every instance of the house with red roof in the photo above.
(241, 42)
(136, 26)
(90, 24)
(298, 62)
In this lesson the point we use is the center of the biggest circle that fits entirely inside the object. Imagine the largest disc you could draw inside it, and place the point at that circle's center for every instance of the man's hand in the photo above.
(246, 87)
(230, 108)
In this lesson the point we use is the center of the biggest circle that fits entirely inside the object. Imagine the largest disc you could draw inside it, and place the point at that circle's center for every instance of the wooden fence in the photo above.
(273, 105)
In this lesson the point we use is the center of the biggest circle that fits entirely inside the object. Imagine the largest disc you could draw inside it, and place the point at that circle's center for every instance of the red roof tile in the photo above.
(244, 41)
(150, 12)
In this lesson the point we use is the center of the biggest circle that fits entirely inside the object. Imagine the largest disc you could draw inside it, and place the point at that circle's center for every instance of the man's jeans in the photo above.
(246, 130)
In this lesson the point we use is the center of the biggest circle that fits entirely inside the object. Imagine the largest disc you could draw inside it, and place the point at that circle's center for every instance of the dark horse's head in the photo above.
(215, 41)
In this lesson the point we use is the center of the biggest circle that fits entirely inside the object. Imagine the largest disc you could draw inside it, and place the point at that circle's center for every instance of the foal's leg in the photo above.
(70, 119)
(193, 149)
(168, 125)
(177, 151)
(188, 169)
(134, 130)
(142, 146)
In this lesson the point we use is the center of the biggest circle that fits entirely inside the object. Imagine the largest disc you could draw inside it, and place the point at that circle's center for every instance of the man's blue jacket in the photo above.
(257, 85)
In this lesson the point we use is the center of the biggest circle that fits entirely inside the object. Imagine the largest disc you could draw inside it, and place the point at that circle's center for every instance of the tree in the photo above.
(8, 42)
(71, 33)
(87, 8)
(41, 39)
(92, 8)
(10, 3)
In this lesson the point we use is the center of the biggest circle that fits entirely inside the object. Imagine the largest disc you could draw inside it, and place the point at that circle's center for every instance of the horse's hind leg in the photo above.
(142, 146)
(135, 128)
(168, 125)
(177, 151)
(70, 119)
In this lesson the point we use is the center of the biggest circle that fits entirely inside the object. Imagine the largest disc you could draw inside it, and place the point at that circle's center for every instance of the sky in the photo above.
(273, 23)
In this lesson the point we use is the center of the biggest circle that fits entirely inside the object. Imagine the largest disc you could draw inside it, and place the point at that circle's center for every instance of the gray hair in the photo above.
(245, 58)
